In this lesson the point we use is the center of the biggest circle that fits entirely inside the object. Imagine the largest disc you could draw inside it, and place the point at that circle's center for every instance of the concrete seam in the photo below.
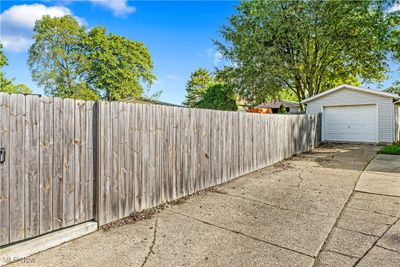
(355, 231)
(270, 205)
(342, 210)
(243, 234)
(382, 247)
(375, 213)
(373, 245)
(376, 194)
(341, 253)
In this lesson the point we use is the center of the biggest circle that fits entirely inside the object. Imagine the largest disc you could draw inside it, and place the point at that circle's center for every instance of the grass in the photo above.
(391, 149)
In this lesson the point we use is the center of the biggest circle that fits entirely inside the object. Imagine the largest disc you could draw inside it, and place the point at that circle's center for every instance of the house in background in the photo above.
(273, 106)
(356, 114)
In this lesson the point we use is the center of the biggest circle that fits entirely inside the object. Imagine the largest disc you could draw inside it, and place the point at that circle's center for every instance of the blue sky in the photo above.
(178, 34)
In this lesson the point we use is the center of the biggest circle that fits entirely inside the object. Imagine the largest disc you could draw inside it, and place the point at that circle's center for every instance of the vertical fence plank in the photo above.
(32, 191)
(133, 135)
(5, 169)
(115, 196)
(17, 176)
(121, 145)
(158, 153)
(139, 167)
(145, 157)
(58, 162)
(46, 164)
(106, 157)
(152, 157)
(79, 160)
(68, 158)
(185, 151)
(90, 139)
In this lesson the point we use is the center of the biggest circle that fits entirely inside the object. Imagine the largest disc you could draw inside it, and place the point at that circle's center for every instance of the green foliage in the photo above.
(306, 46)
(219, 97)
(282, 110)
(68, 61)
(391, 149)
(56, 59)
(118, 67)
(3, 59)
(7, 85)
(200, 80)
(394, 89)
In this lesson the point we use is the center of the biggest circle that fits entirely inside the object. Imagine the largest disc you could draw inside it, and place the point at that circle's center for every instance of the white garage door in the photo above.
(350, 123)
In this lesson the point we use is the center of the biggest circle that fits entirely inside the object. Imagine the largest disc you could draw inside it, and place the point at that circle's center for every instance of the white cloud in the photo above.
(212, 55)
(173, 77)
(395, 7)
(17, 23)
(217, 58)
(119, 8)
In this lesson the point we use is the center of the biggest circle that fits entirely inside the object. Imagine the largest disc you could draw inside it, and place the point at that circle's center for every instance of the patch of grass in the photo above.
(391, 149)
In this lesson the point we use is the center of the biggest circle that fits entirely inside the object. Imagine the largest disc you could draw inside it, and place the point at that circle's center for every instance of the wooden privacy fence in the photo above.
(152, 154)
(47, 178)
(69, 161)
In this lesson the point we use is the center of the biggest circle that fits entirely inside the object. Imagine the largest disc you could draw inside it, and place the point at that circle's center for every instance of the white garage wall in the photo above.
(397, 122)
(352, 97)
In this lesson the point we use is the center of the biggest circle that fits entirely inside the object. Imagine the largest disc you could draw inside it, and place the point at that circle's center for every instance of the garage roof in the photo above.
(352, 87)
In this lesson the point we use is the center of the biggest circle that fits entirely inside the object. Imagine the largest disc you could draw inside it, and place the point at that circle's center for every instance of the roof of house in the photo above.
(355, 88)
(143, 100)
(278, 104)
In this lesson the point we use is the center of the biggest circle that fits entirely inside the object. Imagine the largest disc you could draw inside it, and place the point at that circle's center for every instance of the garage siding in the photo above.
(397, 122)
(352, 97)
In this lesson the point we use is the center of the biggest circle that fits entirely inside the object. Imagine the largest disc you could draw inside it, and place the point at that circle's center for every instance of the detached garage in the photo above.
(356, 114)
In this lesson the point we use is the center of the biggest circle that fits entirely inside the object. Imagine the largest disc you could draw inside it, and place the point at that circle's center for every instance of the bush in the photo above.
(391, 149)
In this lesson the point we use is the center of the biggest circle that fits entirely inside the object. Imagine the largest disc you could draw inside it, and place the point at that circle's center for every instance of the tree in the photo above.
(69, 61)
(306, 46)
(7, 85)
(394, 88)
(57, 60)
(219, 97)
(282, 110)
(200, 80)
(118, 66)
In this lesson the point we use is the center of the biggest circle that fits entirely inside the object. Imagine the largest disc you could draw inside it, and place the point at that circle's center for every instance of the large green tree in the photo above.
(118, 67)
(67, 60)
(7, 85)
(57, 60)
(219, 97)
(200, 80)
(306, 46)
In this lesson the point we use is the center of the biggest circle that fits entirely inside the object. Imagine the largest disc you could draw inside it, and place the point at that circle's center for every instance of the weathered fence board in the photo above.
(161, 153)
(5, 170)
(44, 181)
(17, 184)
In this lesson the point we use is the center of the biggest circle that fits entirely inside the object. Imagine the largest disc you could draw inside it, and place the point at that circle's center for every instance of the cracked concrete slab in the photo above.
(300, 199)
(380, 257)
(122, 246)
(182, 241)
(294, 230)
(349, 242)
(391, 239)
(387, 205)
(382, 176)
(365, 221)
(330, 258)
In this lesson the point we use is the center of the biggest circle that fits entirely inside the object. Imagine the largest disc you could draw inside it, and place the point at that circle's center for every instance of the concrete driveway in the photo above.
(301, 212)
